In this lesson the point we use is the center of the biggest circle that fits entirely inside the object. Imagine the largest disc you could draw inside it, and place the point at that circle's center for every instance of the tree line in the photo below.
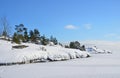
(22, 34)
(76, 45)
(33, 36)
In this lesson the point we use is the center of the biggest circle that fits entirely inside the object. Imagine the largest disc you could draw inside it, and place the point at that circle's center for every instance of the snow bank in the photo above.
(34, 53)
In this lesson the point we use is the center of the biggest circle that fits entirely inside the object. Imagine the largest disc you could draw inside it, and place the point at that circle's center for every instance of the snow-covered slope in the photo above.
(98, 66)
(37, 53)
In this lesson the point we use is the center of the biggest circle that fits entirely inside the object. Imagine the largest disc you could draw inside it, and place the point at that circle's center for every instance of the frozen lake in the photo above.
(97, 66)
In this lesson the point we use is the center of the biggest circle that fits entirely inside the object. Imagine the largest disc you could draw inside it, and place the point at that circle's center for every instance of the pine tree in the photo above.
(26, 37)
(20, 31)
(32, 37)
(83, 48)
(15, 38)
(75, 45)
(44, 40)
(51, 38)
(19, 28)
(54, 40)
(36, 35)
(72, 45)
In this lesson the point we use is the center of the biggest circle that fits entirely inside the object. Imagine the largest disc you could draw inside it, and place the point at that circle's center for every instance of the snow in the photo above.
(97, 66)
(96, 50)
(37, 52)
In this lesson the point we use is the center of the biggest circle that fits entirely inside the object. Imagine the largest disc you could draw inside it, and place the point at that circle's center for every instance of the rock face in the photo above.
(19, 47)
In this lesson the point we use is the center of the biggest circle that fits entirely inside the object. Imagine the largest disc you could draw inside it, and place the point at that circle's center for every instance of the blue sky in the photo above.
(67, 20)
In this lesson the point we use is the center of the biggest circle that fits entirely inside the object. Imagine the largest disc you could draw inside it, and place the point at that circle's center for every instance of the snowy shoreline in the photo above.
(97, 66)
(36, 53)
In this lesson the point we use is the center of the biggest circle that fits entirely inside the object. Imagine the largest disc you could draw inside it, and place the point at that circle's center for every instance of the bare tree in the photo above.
(5, 27)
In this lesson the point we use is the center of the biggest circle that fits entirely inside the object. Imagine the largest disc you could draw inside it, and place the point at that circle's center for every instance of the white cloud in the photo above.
(88, 26)
(112, 35)
(71, 27)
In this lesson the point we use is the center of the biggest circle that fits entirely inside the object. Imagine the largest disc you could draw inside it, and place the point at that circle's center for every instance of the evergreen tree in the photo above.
(20, 31)
(15, 38)
(32, 37)
(75, 45)
(44, 40)
(19, 28)
(51, 38)
(54, 40)
(72, 45)
(83, 48)
(36, 35)
(26, 37)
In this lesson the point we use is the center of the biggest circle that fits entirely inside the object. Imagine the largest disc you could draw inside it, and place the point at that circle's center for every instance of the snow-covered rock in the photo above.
(35, 52)
(97, 50)
(99, 66)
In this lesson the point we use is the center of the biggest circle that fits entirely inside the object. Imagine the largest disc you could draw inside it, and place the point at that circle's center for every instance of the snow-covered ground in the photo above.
(97, 66)
(37, 52)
